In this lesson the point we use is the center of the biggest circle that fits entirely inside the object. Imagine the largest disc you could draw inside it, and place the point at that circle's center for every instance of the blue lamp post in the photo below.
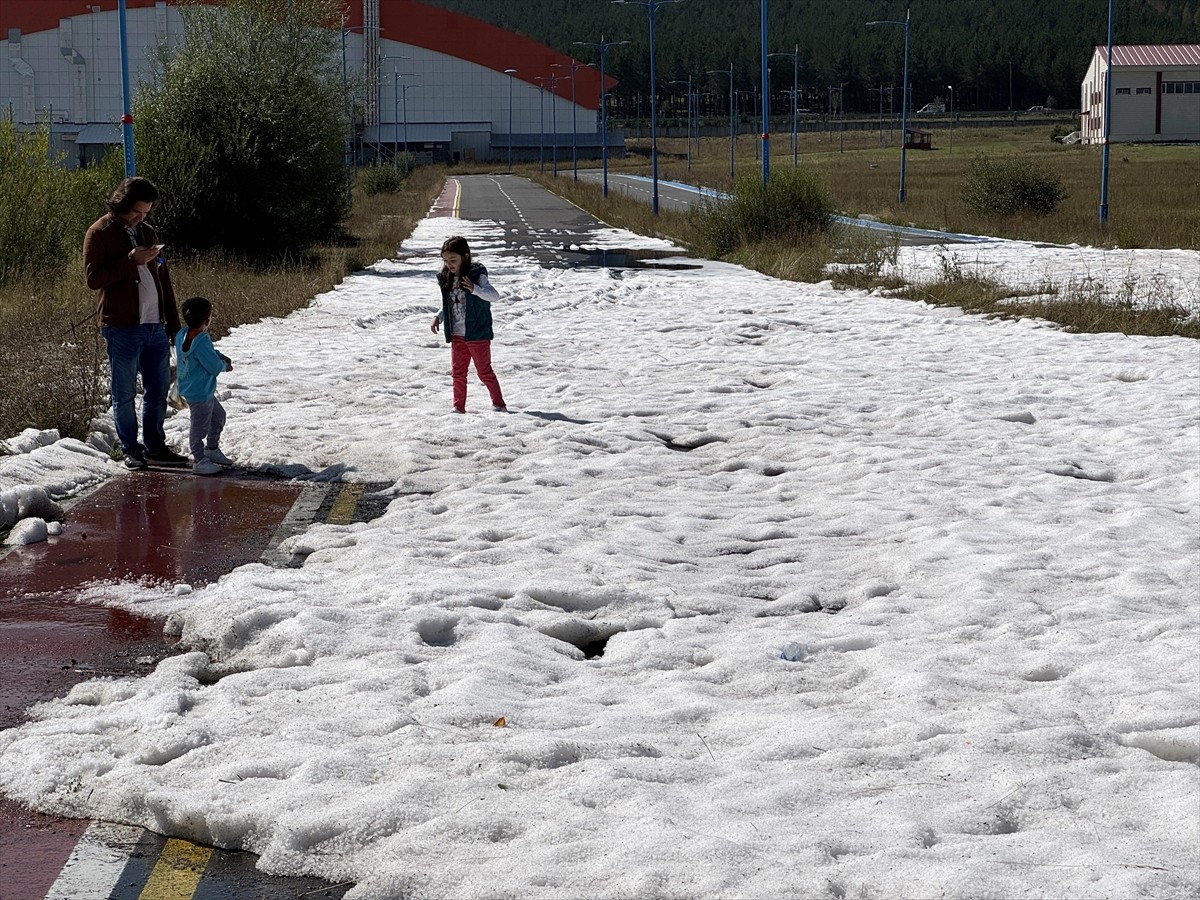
(766, 100)
(601, 46)
(903, 92)
(127, 110)
(651, 6)
(1108, 95)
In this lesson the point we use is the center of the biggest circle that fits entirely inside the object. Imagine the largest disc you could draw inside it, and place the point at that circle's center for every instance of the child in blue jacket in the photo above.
(197, 364)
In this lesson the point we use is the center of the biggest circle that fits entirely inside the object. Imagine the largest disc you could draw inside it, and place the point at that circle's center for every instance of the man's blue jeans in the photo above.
(145, 349)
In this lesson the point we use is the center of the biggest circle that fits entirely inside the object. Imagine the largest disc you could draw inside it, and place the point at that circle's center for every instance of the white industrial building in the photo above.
(1155, 94)
(437, 81)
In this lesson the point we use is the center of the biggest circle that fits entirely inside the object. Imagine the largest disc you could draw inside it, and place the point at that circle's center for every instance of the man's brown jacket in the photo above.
(114, 276)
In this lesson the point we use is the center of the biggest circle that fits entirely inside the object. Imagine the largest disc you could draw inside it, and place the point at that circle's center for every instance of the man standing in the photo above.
(138, 318)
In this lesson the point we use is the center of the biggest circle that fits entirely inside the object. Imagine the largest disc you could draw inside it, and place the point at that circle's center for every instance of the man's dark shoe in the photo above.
(166, 457)
(135, 460)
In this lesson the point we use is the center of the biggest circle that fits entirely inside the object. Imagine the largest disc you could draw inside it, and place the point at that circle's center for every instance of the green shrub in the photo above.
(381, 178)
(244, 132)
(45, 207)
(794, 206)
(997, 186)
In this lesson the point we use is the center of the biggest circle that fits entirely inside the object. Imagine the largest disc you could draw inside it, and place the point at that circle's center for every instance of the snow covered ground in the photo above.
(1141, 278)
(983, 535)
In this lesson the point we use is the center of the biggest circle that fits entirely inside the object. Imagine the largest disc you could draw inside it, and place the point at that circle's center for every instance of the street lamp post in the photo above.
(903, 93)
(573, 65)
(404, 89)
(766, 99)
(126, 98)
(728, 72)
(1108, 95)
(601, 46)
(553, 79)
(651, 6)
(795, 55)
(541, 82)
(689, 117)
(510, 73)
(950, 88)
(395, 110)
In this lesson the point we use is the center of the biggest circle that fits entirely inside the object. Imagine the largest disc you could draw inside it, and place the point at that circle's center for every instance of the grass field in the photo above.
(1154, 191)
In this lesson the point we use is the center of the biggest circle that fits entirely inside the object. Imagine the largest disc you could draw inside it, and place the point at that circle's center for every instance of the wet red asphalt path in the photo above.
(162, 527)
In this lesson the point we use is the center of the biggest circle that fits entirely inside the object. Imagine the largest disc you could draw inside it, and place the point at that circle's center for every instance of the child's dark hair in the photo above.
(457, 244)
(196, 311)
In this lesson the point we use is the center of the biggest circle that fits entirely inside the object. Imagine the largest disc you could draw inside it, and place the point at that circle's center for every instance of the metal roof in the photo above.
(1152, 54)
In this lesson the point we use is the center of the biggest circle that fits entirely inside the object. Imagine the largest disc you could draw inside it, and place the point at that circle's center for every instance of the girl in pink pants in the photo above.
(467, 313)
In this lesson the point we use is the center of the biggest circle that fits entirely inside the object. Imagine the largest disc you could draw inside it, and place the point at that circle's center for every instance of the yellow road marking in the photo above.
(178, 871)
(457, 196)
(342, 511)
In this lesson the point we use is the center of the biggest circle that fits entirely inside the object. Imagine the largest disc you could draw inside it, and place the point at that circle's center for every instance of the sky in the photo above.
(979, 537)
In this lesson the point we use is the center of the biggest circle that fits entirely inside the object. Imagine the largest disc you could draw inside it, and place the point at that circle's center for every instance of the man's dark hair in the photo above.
(196, 311)
(129, 192)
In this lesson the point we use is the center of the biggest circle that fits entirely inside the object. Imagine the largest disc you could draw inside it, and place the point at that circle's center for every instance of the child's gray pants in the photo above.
(208, 421)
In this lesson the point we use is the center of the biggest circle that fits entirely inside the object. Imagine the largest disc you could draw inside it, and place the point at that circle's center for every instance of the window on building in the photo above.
(1145, 91)
(1122, 91)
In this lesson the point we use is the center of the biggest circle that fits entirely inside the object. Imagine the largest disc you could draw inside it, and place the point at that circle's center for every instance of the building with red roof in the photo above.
(1155, 94)
(437, 81)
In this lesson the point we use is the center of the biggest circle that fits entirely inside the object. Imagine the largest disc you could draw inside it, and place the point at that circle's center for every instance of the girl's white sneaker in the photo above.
(219, 458)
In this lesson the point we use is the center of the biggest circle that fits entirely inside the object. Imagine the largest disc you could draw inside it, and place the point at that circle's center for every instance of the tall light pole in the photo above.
(950, 88)
(404, 89)
(541, 83)
(732, 126)
(601, 46)
(766, 100)
(553, 79)
(395, 110)
(510, 73)
(651, 6)
(903, 92)
(572, 65)
(795, 55)
(126, 101)
(689, 117)
(1108, 95)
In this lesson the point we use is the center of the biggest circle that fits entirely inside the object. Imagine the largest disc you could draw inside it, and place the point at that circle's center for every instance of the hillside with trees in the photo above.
(998, 54)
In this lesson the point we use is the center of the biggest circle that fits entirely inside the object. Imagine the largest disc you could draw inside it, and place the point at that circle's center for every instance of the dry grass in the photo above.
(1154, 191)
(55, 372)
(1078, 307)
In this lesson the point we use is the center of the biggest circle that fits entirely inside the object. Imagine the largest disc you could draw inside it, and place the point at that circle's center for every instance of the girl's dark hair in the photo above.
(129, 192)
(196, 311)
(456, 244)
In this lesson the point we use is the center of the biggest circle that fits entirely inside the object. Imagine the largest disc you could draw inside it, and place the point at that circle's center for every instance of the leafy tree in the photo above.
(244, 132)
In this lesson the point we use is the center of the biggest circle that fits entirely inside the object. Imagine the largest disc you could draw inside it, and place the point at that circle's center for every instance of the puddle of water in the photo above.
(621, 258)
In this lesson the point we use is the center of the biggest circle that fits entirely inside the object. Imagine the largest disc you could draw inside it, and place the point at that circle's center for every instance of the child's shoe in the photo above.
(218, 457)
(205, 467)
